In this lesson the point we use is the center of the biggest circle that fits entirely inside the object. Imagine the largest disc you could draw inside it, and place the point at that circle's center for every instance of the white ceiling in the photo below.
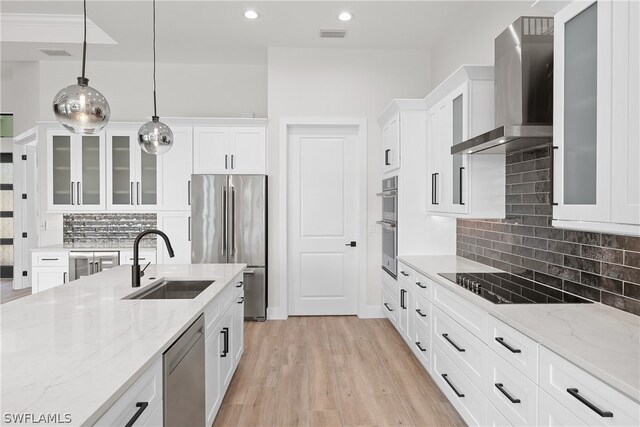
(216, 31)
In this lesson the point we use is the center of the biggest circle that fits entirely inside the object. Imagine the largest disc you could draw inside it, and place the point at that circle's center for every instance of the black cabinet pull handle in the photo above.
(461, 169)
(49, 259)
(551, 175)
(455, 390)
(386, 157)
(387, 306)
(574, 392)
(226, 156)
(239, 285)
(420, 285)
(141, 407)
(420, 313)
(402, 292)
(225, 348)
(405, 274)
(500, 387)
(241, 300)
(446, 337)
(511, 349)
(420, 347)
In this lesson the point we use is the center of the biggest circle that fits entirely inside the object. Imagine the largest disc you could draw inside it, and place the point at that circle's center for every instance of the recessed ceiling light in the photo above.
(345, 16)
(251, 14)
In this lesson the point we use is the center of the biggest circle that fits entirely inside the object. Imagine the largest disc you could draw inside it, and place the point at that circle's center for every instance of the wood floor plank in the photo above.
(259, 407)
(331, 371)
(228, 416)
(325, 419)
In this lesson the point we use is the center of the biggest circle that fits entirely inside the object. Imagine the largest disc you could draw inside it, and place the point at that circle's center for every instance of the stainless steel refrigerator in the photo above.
(229, 220)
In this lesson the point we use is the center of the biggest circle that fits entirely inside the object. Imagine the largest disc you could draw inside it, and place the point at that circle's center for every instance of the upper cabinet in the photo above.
(229, 150)
(596, 116)
(76, 171)
(466, 186)
(391, 144)
(132, 174)
(175, 166)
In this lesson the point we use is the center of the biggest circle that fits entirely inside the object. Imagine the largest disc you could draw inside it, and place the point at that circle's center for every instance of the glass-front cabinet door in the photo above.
(76, 164)
(458, 163)
(132, 175)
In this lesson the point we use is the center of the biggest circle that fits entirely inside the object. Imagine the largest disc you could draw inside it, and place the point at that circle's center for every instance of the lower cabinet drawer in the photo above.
(513, 394)
(390, 285)
(590, 399)
(495, 418)
(514, 347)
(390, 307)
(467, 351)
(472, 317)
(422, 312)
(421, 346)
(50, 259)
(469, 401)
(552, 414)
(142, 397)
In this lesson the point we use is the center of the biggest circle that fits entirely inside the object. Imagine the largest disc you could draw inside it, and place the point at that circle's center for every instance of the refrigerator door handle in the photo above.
(233, 221)
(224, 220)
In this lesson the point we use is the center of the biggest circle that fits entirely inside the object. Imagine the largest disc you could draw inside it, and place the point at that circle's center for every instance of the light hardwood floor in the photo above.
(331, 371)
(7, 293)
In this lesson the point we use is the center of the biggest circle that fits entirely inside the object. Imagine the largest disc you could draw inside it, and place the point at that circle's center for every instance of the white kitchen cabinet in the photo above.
(48, 270)
(551, 413)
(213, 387)
(229, 150)
(177, 226)
(404, 312)
(176, 166)
(132, 174)
(75, 171)
(238, 328)
(596, 114)
(460, 185)
(391, 144)
(144, 256)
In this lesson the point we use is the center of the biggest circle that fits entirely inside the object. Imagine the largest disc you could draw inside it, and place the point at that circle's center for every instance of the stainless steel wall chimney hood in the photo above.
(523, 90)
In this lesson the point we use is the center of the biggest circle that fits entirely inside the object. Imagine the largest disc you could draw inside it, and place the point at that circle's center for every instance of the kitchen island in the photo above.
(72, 351)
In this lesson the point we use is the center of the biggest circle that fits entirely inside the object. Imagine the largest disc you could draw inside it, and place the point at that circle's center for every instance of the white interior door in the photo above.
(323, 220)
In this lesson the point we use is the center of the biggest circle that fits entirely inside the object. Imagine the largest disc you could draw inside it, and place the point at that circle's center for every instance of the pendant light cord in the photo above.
(84, 44)
(155, 112)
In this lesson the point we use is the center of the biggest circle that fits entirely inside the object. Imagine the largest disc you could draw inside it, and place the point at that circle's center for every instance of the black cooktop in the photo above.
(506, 288)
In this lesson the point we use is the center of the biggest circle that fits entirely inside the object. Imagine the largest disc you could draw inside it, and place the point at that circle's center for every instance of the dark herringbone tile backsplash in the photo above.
(598, 266)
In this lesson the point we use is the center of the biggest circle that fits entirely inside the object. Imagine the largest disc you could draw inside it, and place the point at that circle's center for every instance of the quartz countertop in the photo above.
(601, 340)
(92, 246)
(76, 348)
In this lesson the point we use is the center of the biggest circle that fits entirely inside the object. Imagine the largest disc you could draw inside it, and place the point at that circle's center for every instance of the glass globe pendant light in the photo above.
(81, 108)
(155, 137)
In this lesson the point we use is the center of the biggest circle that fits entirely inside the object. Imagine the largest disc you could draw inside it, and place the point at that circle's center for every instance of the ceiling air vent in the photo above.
(333, 34)
(55, 52)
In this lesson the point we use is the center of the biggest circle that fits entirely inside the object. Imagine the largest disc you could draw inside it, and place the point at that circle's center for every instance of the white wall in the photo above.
(19, 93)
(338, 83)
(184, 90)
(471, 41)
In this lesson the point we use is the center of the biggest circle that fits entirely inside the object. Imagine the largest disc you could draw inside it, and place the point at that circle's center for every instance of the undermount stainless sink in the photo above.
(172, 289)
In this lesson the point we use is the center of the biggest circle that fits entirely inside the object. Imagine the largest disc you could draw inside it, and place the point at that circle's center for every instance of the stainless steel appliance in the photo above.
(183, 375)
(389, 225)
(523, 72)
(229, 225)
(85, 263)
(506, 288)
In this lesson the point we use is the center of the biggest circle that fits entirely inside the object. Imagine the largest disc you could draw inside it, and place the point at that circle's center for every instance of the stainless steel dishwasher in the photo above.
(183, 371)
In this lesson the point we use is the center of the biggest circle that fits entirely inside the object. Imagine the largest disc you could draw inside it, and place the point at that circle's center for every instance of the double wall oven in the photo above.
(389, 223)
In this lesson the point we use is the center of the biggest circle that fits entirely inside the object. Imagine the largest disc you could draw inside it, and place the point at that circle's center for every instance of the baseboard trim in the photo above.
(276, 313)
(373, 312)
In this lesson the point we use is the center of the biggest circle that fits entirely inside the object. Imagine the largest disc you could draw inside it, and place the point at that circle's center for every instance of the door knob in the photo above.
(352, 244)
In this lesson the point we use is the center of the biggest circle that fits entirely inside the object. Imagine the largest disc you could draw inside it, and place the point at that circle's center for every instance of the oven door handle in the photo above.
(388, 193)
(387, 225)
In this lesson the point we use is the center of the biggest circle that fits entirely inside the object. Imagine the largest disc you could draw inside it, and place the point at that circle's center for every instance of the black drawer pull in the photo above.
(420, 313)
(420, 285)
(387, 306)
(500, 387)
(404, 274)
(574, 392)
(239, 285)
(402, 303)
(241, 300)
(455, 390)
(49, 259)
(420, 347)
(446, 337)
(141, 407)
(511, 349)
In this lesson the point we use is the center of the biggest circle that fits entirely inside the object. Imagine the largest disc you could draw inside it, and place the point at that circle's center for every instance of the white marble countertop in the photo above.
(601, 340)
(91, 247)
(76, 348)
